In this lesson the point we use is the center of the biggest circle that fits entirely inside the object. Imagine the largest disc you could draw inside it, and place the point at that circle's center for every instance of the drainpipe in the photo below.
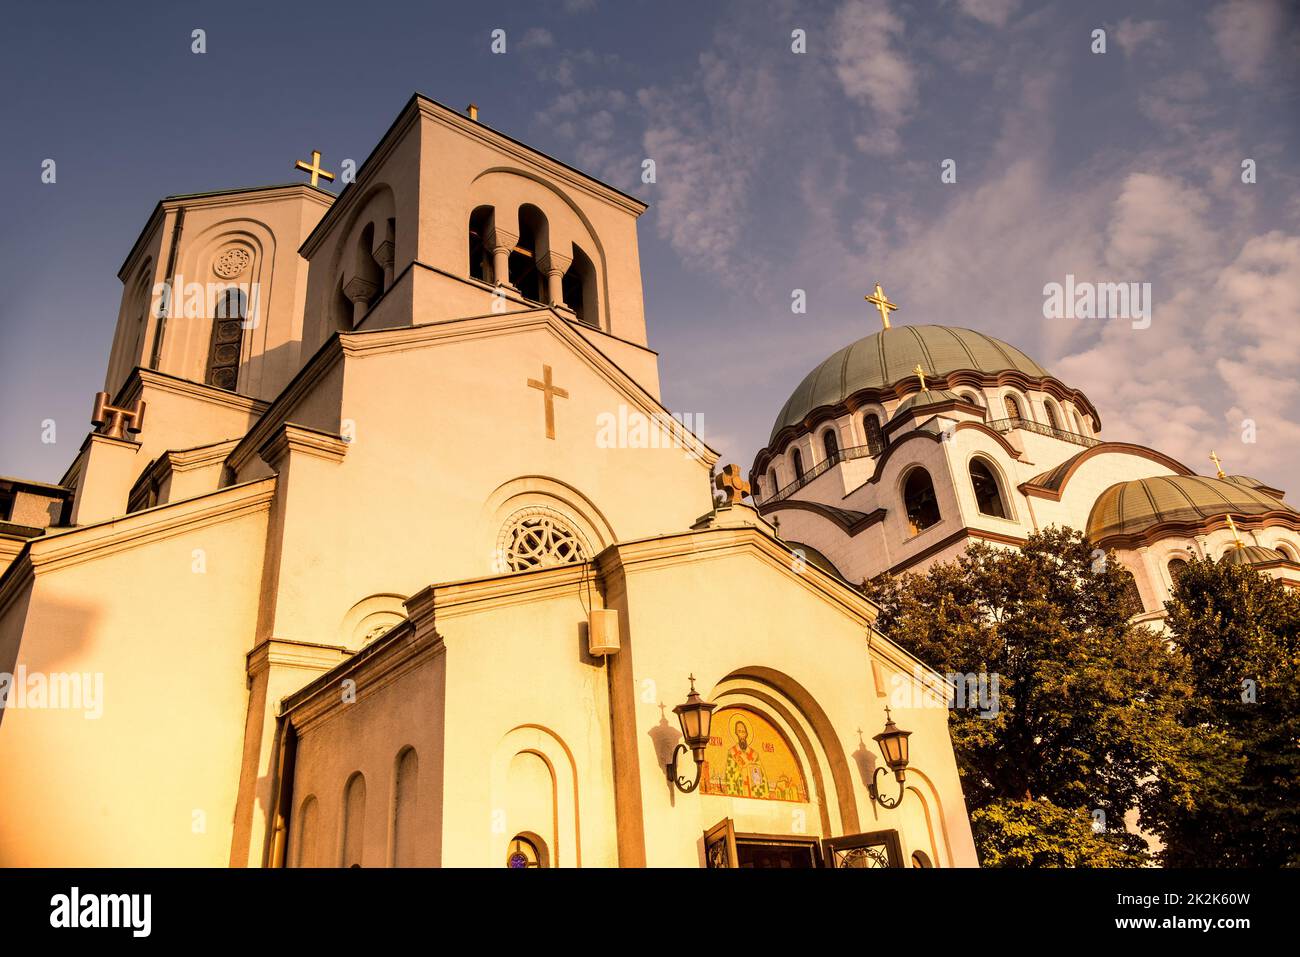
(284, 756)
(156, 355)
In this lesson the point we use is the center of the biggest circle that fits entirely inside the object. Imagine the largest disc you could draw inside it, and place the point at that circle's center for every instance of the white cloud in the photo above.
(1132, 35)
(536, 38)
(995, 13)
(872, 70)
(1247, 34)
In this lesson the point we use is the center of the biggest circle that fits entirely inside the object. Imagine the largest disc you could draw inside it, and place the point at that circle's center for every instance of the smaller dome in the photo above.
(1251, 555)
(1133, 507)
(921, 400)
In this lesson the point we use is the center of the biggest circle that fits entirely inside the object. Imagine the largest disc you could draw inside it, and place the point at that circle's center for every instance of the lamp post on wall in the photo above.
(893, 747)
(696, 719)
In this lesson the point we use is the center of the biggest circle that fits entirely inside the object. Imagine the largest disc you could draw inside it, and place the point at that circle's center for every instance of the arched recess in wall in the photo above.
(306, 836)
(360, 275)
(534, 779)
(506, 188)
(989, 487)
(798, 715)
(526, 492)
(371, 617)
(234, 254)
(403, 837)
(352, 830)
(923, 815)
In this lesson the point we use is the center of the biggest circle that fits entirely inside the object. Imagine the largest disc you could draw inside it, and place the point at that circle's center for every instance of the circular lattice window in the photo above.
(540, 538)
(232, 261)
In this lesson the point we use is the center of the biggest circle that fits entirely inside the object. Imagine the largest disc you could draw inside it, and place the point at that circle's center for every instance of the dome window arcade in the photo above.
(919, 500)
(875, 440)
(830, 444)
(988, 493)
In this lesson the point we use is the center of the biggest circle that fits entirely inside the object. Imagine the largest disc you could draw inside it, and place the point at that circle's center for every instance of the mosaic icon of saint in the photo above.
(744, 775)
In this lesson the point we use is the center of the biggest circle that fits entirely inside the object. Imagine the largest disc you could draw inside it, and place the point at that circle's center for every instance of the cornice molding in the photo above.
(1281, 518)
(141, 378)
(302, 440)
(63, 549)
(1053, 492)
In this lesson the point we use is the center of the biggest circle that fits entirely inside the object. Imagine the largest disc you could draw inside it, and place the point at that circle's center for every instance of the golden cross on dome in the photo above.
(920, 374)
(881, 302)
(314, 168)
(1217, 464)
(1235, 537)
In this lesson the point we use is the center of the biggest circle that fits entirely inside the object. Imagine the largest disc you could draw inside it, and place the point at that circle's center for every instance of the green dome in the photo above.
(1251, 555)
(885, 358)
(928, 397)
(1131, 507)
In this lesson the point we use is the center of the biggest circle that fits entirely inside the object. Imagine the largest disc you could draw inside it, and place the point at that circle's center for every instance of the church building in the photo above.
(349, 572)
(907, 444)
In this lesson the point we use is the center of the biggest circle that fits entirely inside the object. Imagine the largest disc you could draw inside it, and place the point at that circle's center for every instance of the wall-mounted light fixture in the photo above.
(893, 747)
(696, 719)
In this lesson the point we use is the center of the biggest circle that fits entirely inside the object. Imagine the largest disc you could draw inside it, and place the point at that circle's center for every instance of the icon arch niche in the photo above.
(818, 802)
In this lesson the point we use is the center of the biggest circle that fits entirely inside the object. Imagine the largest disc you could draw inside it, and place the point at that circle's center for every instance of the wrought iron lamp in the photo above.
(893, 746)
(696, 719)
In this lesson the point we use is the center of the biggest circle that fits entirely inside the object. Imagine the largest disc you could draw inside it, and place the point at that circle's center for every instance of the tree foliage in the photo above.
(1239, 631)
(1089, 703)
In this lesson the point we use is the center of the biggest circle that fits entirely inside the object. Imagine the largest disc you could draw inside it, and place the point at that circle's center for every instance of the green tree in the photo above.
(1089, 703)
(1041, 834)
(1240, 633)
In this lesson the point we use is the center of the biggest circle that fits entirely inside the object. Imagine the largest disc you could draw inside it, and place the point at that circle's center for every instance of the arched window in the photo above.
(579, 288)
(919, 500)
(526, 850)
(523, 259)
(1012, 406)
(830, 443)
(354, 820)
(797, 460)
(921, 859)
(1287, 551)
(875, 440)
(1132, 597)
(227, 338)
(774, 481)
(1176, 568)
(973, 398)
(1052, 418)
(480, 257)
(988, 495)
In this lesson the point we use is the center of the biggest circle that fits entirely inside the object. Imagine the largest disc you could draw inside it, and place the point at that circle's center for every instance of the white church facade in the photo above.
(359, 584)
(365, 583)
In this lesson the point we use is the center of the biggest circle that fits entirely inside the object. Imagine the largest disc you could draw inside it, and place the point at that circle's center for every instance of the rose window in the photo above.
(540, 538)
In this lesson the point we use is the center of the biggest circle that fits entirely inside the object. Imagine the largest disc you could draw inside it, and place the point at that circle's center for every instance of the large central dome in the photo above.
(881, 360)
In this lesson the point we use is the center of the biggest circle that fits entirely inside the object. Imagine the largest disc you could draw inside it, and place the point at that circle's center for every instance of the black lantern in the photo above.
(696, 719)
(893, 747)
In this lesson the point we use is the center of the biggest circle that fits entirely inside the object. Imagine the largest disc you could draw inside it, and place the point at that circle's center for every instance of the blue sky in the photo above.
(776, 171)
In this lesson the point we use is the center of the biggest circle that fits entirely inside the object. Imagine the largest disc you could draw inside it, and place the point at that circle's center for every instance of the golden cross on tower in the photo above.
(920, 374)
(1235, 537)
(881, 302)
(550, 391)
(1217, 464)
(314, 168)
